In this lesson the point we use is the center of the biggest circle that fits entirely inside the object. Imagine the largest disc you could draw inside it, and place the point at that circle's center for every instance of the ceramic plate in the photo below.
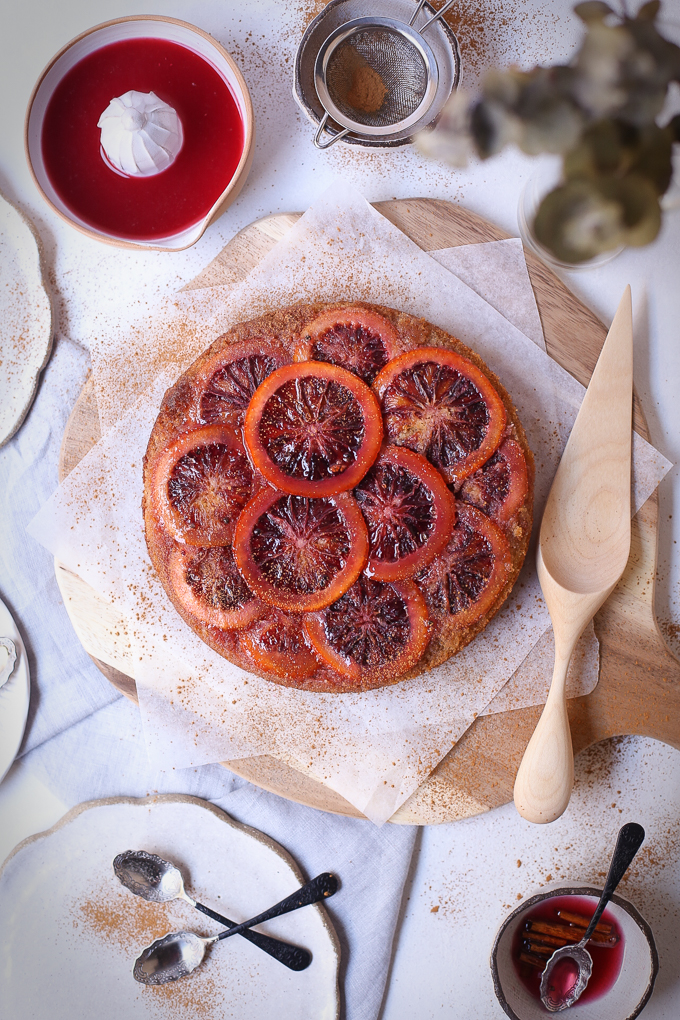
(70, 933)
(25, 318)
(14, 696)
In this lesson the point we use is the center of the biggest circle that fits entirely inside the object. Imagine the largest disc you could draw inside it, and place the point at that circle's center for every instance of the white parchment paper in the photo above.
(497, 271)
(374, 748)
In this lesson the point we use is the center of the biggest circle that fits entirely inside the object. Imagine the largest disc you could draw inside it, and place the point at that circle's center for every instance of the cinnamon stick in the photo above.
(545, 952)
(583, 922)
(554, 928)
(533, 961)
(569, 932)
(555, 941)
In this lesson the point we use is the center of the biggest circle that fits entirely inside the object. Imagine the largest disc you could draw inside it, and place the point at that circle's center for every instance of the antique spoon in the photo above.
(583, 549)
(154, 879)
(553, 998)
(179, 953)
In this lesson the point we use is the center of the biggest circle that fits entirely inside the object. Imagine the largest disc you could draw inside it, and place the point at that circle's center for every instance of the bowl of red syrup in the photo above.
(625, 960)
(187, 69)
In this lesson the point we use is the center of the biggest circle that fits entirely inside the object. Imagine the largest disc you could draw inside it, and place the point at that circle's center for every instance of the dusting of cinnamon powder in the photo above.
(115, 917)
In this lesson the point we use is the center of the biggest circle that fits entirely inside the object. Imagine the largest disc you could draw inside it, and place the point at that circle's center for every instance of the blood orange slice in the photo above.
(358, 339)
(465, 580)
(278, 644)
(500, 487)
(207, 584)
(441, 405)
(298, 553)
(313, 429)
(230, 378)
(409, 512)
(200, 484)
(374, 630)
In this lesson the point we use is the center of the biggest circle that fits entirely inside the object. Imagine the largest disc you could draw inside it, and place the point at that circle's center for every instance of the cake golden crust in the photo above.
(283, 334)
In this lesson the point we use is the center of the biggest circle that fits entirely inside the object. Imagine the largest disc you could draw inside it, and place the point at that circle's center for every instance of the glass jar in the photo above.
(546, 177)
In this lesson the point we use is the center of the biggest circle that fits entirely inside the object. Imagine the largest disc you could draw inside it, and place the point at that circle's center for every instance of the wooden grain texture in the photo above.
(583, 548)
(82, 430)
(639, 687)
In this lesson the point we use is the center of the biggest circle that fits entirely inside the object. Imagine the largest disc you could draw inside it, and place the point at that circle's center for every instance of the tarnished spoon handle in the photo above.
(293, 957)
(629, 842)
(320, 888)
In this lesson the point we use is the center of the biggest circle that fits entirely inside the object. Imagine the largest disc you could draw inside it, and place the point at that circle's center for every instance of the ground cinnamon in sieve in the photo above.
(368, 90)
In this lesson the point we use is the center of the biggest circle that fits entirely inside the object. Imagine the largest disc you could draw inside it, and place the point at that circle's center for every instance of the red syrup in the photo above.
(142, 208)
(607, 960)
(563, 977)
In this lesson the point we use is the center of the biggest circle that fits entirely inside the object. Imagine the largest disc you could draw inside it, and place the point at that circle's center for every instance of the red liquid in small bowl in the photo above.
(142, 208)
(563, 977)
(606, 960)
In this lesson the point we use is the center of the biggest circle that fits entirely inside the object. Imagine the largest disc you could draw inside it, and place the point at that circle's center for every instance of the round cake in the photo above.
(337, 497)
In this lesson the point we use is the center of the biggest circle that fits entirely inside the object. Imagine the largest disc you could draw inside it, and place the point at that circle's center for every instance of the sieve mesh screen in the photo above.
(376, 77)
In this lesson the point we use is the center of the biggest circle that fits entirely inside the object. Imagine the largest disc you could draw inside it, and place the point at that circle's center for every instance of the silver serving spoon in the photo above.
(159, 881)
(628, 843)
(179, 953)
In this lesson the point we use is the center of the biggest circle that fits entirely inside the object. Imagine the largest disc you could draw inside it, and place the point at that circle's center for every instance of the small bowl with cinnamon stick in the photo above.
(625, 960)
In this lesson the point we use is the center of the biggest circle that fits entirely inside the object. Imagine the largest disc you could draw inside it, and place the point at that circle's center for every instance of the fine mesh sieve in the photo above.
(399, 65)
(375, 76)
(337, 13)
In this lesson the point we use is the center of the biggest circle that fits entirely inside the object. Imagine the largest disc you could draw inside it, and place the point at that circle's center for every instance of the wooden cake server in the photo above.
(583, 548)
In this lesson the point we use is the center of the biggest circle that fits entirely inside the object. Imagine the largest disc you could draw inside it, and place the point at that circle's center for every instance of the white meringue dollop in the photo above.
(140, 134)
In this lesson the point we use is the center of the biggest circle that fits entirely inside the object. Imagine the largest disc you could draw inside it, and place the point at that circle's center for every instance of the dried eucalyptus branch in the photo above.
(599, 113)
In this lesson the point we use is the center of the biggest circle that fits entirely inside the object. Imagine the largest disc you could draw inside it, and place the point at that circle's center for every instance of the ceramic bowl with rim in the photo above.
(139, 27)
(631, 990)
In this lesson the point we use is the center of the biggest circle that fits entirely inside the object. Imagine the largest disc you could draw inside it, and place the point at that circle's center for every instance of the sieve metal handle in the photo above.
(333, 138)
(421, 4)
(440, 13)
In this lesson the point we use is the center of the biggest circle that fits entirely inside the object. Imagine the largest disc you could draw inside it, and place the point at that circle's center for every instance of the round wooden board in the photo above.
(639, 687)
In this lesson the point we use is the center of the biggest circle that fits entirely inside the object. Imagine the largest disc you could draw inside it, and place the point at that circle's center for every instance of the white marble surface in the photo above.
(469, 870)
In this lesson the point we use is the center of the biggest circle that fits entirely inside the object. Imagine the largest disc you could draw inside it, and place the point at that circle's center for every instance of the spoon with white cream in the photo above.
(8, 658)
(149, 876)
(179, 953)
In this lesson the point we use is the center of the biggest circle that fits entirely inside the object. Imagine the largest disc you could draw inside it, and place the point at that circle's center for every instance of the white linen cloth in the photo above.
(374, 747)
(65, 686)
